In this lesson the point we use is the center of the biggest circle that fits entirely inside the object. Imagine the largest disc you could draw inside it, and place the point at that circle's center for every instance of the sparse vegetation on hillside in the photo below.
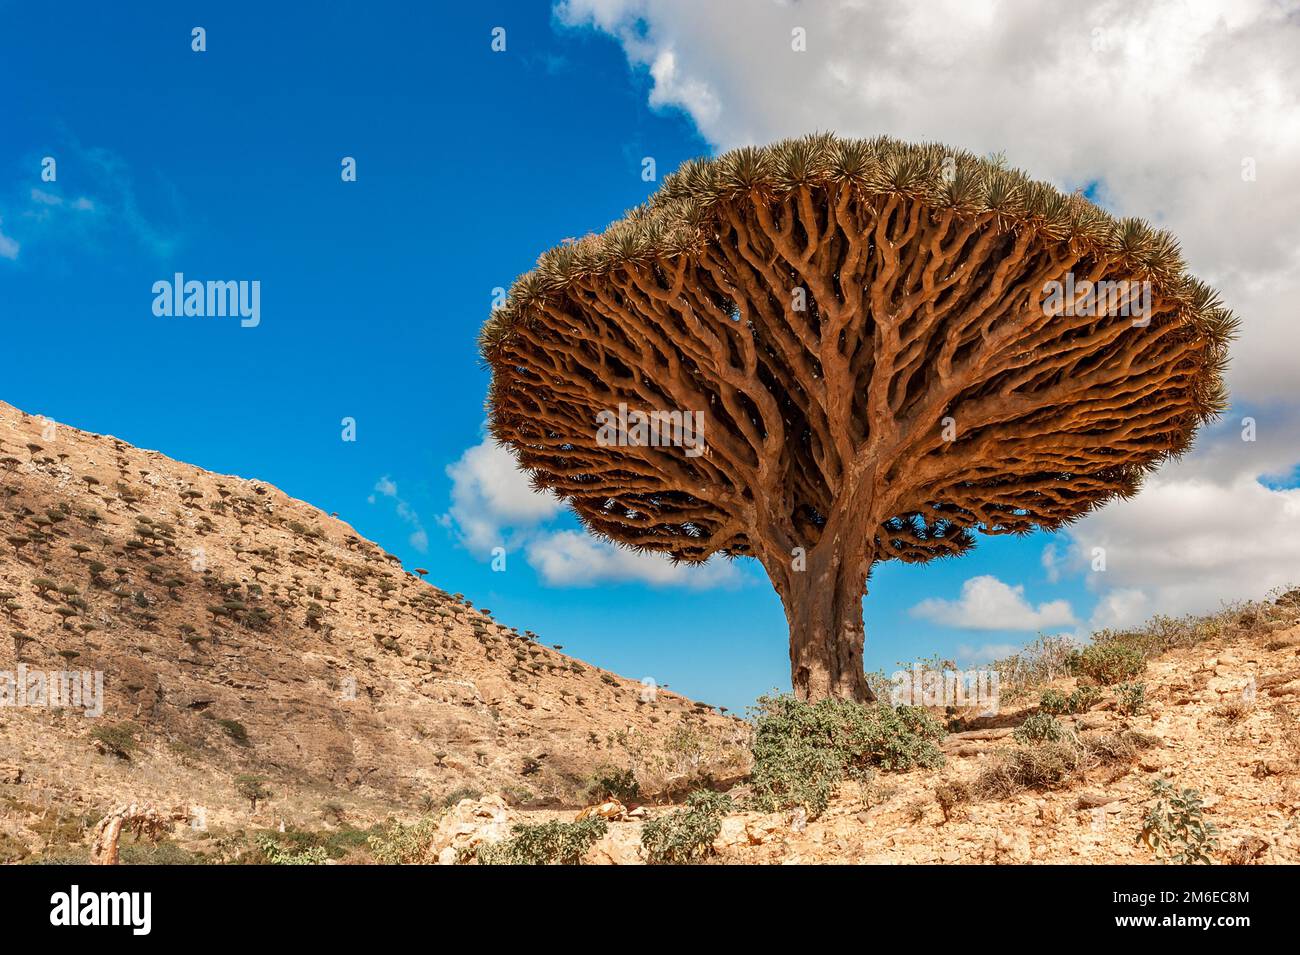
(548, 843)
(802, 749)
(686, 835)
(1175, 827)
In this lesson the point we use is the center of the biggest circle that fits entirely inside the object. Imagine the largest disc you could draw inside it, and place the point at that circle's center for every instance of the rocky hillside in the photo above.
(242, 632)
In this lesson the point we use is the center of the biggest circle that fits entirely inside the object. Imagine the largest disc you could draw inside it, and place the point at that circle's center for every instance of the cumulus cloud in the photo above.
(1181, 113)
(571, 558)
(493, 504)
(492, 499)
(1187, 544)
(987, 603)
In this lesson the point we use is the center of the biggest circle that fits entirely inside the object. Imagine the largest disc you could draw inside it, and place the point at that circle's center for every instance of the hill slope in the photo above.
(242, 631)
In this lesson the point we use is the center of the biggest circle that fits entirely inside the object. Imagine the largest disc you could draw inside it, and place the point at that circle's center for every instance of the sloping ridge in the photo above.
(241, 631)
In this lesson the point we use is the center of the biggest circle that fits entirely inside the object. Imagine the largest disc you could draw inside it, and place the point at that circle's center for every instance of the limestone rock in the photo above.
(470, 824)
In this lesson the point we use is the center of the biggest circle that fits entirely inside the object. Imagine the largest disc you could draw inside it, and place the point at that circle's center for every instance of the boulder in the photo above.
(609, 810)
(620, 845)
(470, 824)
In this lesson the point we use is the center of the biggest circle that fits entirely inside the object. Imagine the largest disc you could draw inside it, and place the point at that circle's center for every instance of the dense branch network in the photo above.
(865, 327)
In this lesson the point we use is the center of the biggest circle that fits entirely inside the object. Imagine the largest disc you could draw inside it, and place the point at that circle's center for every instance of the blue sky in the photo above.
(225, 164)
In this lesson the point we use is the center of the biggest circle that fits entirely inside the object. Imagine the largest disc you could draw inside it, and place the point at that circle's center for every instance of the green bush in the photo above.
(1174, 826)
(401, 844)
(235, 730)
(1132, 698)
(550, 843)
(1056, 703)
(1111, 662)
(1084, 698)
(118, 739)
(801, 749)
(1039, 728)
(686, 835)
(609, 782)
(1053, 703)
(277, 855)
(459, 793)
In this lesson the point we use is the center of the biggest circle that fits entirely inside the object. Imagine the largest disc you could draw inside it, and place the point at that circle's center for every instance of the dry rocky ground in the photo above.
(1223, 718)
(242, 632)
(245, 633)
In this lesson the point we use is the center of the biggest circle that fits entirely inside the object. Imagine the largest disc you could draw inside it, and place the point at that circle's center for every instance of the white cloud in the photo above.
(1118, 609)
(575, 559)
(1160, 102)
(386, 487)
(98, 222)
(1187, 544)
(493, 504)
(987, 603)
(82, 204)
(1051, 561)
(491, 498)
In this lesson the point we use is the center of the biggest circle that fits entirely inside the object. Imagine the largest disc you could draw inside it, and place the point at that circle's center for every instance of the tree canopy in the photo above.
(891, 347)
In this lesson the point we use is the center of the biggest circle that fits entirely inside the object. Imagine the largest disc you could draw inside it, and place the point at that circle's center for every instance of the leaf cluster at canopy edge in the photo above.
(676, 220)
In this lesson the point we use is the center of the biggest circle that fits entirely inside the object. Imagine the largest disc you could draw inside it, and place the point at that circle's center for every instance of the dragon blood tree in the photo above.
(892, 346)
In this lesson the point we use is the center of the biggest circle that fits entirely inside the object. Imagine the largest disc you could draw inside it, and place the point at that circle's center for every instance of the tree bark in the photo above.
(823, 607)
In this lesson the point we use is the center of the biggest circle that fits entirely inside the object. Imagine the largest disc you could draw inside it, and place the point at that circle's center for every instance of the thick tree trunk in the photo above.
(823, 606)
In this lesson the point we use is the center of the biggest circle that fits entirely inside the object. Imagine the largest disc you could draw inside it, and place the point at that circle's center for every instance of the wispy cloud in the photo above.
(386, 489)
(101, 211)
(8, 246)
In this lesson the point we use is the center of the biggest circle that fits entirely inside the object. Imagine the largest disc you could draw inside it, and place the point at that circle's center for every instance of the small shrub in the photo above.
(1083, 698)
(1132, 698)
(686, 835)
(1053, 703)
(276, 855)
(801, 749)
(401, 844)
(118, 739)
(950, 796)
(550, 843)
(1049, 765)
(1042, 766)
(460, 793)
(1111, 662)
(609, 782)
(234, 729)
(1233, 711)
(1039, 728)
(1175, 828)
(252, 788)
(915, 810)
